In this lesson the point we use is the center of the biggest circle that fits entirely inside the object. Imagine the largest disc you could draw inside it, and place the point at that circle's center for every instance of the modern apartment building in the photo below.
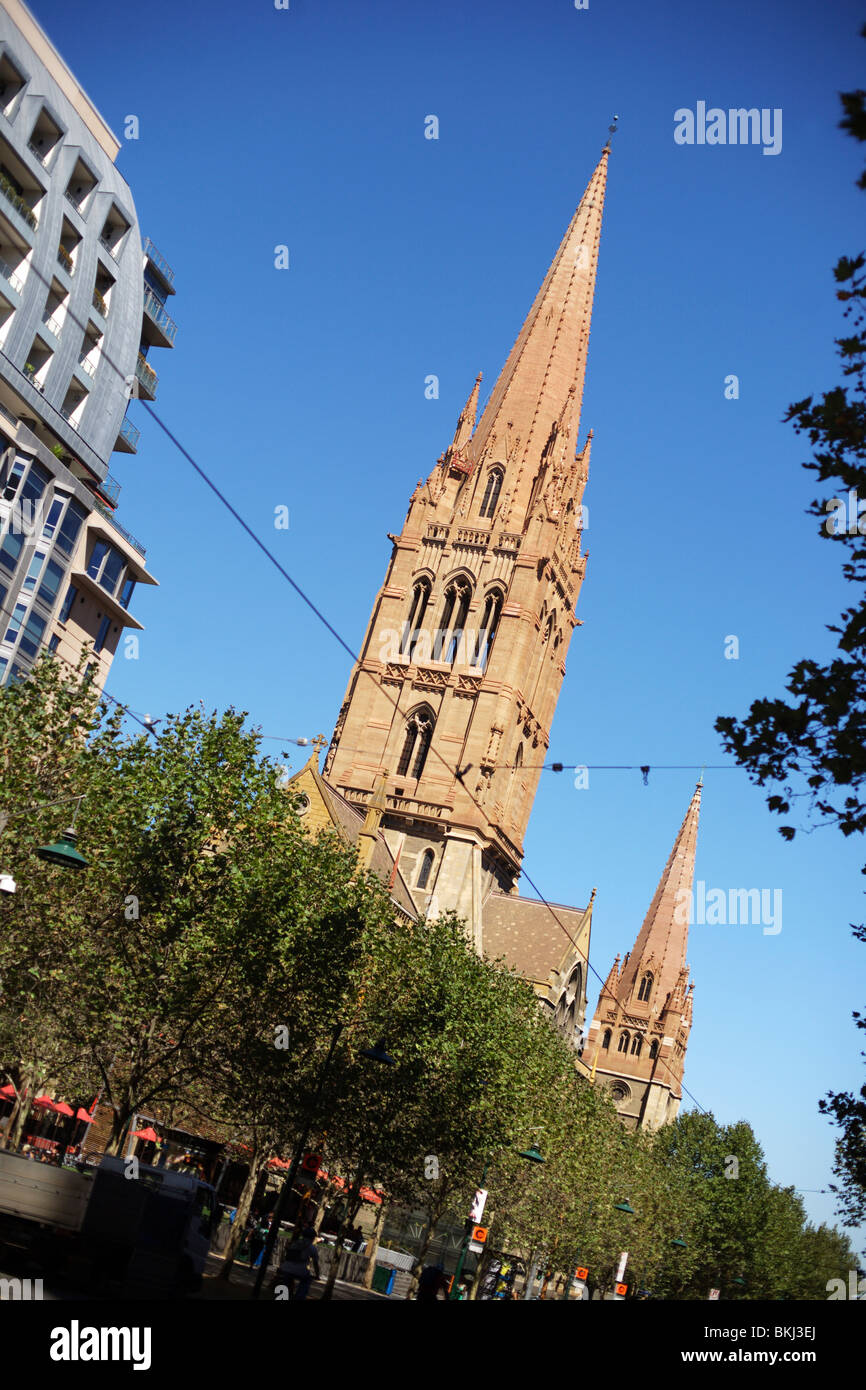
(82, 307)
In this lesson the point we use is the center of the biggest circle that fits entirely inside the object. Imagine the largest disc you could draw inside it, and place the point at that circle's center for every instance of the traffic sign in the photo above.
(479, 1234)
(581, 1273)
(622, 1290)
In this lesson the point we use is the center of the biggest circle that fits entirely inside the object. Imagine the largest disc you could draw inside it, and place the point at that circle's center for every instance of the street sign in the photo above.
(475, 1248)
(581, 1273)
(620, 1269)
(621, 1290)
(714, 1293)
(312, 1163)
(479, 1234)
(476, 1211)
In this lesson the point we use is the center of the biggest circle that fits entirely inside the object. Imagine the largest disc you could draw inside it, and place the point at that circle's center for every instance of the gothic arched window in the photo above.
(491, 492)
(449, 638)
(605, 1042)
(412, 626)
(654, 1049)
(426, 866)
(623, 1042)
(636, 1044)
(487, 630)
(416, 744)
(646, 985)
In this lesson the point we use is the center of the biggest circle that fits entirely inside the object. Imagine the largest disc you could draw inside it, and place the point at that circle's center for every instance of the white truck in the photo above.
(146, 1228)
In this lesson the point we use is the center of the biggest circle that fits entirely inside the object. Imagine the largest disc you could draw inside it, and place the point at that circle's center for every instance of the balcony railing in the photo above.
(104, 511)
(112, 250)
(51, 323)
(41, 155)
(129, 432)
(157, 312)
(9, 275)
(109, 488)
(86, 366)
(76, 202)
(146, 375)
(159, 261)
(23, 209)
(99, 303)
(66, 260)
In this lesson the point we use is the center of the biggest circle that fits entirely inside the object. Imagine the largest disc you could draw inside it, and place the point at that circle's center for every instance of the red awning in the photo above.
(63, 1109)
(368, 1195)
(46, 1101)
(7, 1092)
(81, 1114)
(278, 1163)
(149, 1134)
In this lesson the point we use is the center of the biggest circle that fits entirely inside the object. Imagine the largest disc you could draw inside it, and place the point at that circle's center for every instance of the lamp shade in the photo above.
(532, 1154)
(63, 852)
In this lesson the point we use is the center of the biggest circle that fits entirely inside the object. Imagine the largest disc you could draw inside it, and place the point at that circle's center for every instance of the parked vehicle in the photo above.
(147, 1228)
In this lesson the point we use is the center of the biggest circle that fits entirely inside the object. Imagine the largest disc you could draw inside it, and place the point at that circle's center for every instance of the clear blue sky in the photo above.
(408, 257)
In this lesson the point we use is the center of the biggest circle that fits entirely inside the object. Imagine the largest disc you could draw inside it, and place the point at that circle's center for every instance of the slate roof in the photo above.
(526, 933)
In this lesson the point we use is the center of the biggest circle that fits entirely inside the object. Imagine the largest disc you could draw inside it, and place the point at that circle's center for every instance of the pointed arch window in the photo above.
(449, 638)
(646, 985)
(623, 1042)
(417, 610)
(654, 1049)
(605, 1042)
(426, 867)
(636, 1045)
(416, 744)
(491, 492)
(487, 630)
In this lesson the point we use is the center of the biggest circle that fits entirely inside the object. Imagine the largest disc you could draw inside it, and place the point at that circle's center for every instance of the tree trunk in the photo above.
(374, 1246)
(338, 1248)
(257, 1163)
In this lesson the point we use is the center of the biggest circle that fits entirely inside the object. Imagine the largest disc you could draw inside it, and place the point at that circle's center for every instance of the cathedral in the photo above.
(436, 755)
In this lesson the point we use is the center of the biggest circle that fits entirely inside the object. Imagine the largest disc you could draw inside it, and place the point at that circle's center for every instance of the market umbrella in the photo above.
(149, 1134)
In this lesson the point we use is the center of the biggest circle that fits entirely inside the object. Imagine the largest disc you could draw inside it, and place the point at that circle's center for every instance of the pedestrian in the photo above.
(433, 1281)
(297, 1257)
(257, 1236)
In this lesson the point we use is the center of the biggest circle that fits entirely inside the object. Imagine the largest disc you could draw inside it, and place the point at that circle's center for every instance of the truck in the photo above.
(122, 1223)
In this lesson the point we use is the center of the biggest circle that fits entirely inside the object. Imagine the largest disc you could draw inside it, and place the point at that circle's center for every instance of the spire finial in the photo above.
(611, 131)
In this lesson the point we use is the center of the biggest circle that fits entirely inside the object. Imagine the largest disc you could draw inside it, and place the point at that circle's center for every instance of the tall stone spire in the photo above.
(637, 1040)
(453, 695)
(548, 360)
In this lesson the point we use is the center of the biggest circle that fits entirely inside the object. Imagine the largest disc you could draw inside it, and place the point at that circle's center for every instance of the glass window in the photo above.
(104, 628)
(53, 517)
(54, 643)
(32, 574)
(15, 623)
(14, 478)
(127, 591)
(3, 667)
(31, 637)
(97, 555)
(35, 484)
(50, 586)
(10, 550)
(71, 594)
(68, 533)
(112, 570)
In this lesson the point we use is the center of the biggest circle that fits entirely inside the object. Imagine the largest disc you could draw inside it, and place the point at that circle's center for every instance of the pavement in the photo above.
(243, 1278)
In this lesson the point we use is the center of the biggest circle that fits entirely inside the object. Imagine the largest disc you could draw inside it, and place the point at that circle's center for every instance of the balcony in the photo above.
(148, 378)
(99, 304)
(41, 155)
(18, 203)
(160, 318)
(109, 489)
(86, 366)
(160, 264)
(127, 438)
(11, 278)
(51, 323)
(66, 260)
(136, 545)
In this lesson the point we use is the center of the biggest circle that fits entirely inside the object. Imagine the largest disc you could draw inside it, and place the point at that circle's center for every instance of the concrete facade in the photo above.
(82, 303)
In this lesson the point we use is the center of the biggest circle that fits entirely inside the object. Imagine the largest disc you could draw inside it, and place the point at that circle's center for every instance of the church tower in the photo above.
(452, 699)
(637, 1040)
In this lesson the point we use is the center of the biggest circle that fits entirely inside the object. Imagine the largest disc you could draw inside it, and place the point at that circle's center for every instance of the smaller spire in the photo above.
(369, 832)
(466, 423)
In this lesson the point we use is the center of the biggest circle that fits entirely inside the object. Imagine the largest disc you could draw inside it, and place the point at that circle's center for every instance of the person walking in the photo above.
(295, 1263)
